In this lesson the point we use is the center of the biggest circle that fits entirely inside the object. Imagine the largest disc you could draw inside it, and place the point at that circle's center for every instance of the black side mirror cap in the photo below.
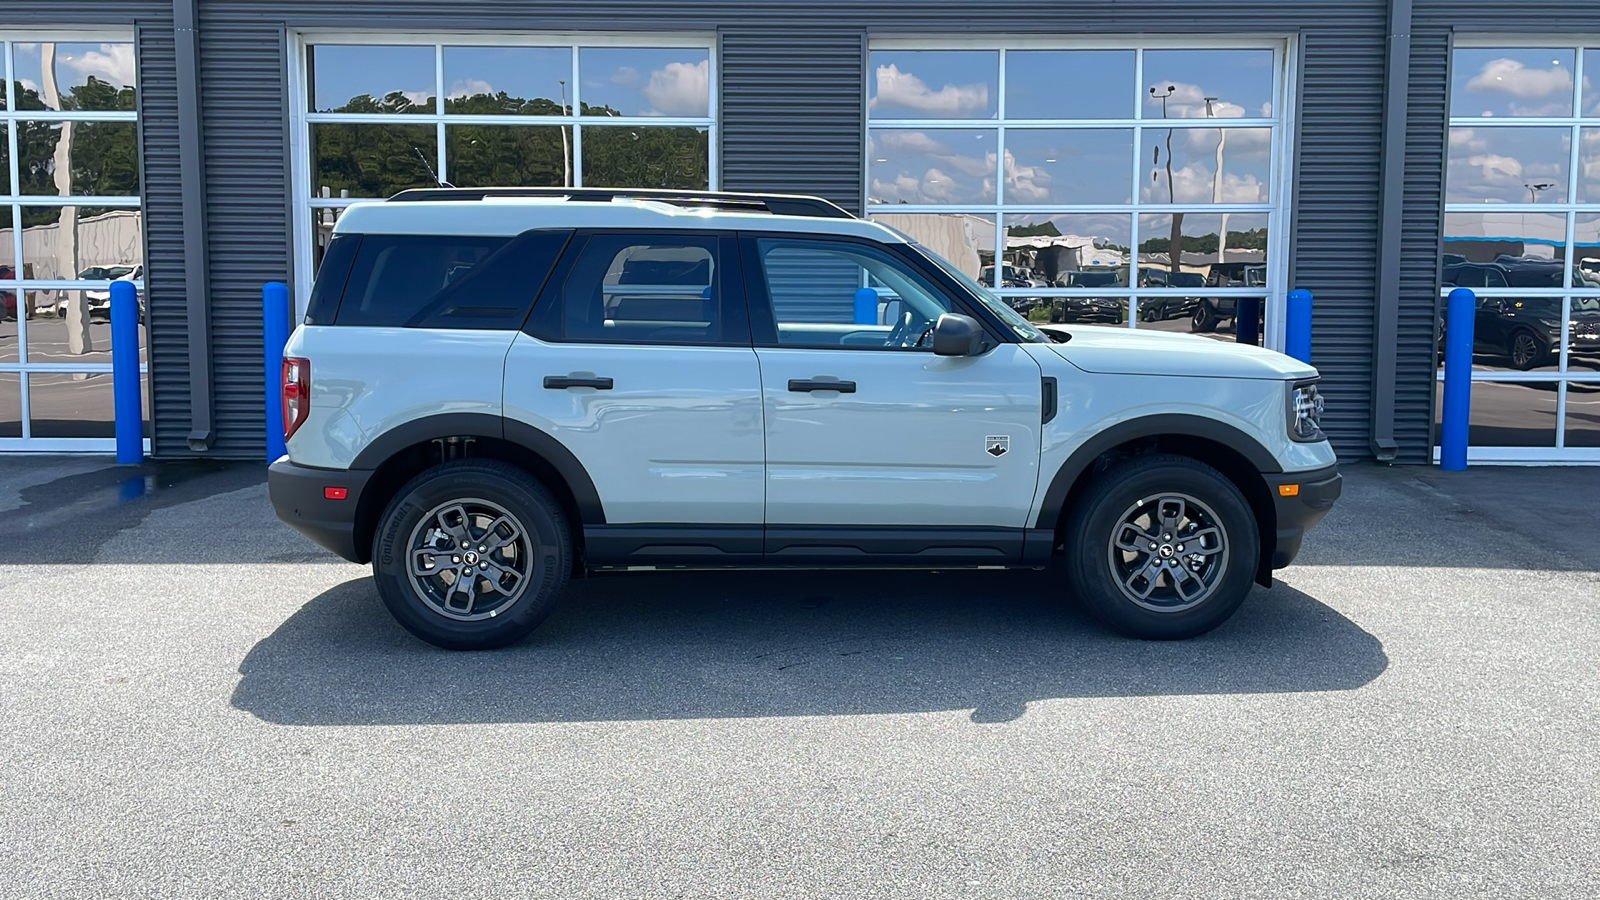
(958, 335)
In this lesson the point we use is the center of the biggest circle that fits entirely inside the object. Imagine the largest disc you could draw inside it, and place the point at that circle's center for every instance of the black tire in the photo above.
(1526, 350)
(1225, 575)
(1204, 320)
(485, 490)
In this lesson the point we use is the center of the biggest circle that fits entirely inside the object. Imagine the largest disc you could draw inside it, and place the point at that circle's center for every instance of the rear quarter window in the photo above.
(447, 281)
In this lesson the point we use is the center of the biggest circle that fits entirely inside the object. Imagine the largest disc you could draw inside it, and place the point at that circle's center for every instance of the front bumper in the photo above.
(299, 498)
(1315, 493)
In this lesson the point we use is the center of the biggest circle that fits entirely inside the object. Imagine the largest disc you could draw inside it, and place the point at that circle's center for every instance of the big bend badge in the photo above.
(996, 445)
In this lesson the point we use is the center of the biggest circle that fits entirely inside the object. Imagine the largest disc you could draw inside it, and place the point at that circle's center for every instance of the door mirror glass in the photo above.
(958, 335)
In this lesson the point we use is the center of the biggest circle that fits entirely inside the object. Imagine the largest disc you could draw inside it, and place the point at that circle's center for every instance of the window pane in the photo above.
(74, 327)
(5, 159)
(1508, 165)
(1077, 165)
(1241, 262)
(1589, 165)
(1512, 334)
(1070, 251)
(71, 406)
(1183, 165)
(371, 79)
(508, 155)
(1509, 415)
(1591, 84)
(933, 166)
(81, 242)
(1178, 83)
(636, 81)
(837, 295)
(1504, 249)
(1035, 80)
(933, 84)
(966, 240)
(397, 276)
(1583, 414)
(59, 76)
(78, 158)
(625, 290)
(1511, 82)
(377, 160)
(10, 405)
(1586, 239)
(499, 81)
(646, 157)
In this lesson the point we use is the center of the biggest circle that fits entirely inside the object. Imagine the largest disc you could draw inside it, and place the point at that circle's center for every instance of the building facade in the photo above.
(1130, 164)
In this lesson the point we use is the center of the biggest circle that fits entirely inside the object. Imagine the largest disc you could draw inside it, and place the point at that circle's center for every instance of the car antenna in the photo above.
(431, 173)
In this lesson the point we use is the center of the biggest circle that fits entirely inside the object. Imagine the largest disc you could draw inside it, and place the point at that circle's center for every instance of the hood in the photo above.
(1125, 351)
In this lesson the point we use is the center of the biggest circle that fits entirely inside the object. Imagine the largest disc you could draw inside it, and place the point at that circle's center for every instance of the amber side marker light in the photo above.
(1288, 490)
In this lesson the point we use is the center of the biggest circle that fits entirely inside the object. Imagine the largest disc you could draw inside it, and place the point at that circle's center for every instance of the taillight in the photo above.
(296, 393)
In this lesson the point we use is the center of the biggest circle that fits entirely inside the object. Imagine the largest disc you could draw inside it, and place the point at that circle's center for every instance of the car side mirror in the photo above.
(958, 335)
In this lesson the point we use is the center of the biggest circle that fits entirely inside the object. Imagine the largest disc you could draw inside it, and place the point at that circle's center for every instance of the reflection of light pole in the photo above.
(566, 151)
(1216, 185)
(1175, 239)
(1536, 187)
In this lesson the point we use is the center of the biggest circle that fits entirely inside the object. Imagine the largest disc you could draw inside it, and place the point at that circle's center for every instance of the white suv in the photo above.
(494, 389)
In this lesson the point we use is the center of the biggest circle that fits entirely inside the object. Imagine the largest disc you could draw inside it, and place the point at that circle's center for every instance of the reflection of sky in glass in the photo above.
(1507, 165)
(636, 81)
(524, 73)
(1240, 80)
(943, 166)
(75, 63)
(1069, 84)
(1068, 165)
(1246, 164)
(1589, 165)
(340, 72)
(933, 84)
(1511, 82)
(1591, 83)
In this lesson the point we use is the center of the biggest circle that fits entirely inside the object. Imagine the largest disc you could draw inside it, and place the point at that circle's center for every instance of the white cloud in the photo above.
(1468, 140)
(680, 89)
(417, 98)
(1025, 183)
(627, 76)
(1188, 101)
(469, 87)
(899, 88)
(909, 142)
(28, 84)
(1508, 76)
(108, 62)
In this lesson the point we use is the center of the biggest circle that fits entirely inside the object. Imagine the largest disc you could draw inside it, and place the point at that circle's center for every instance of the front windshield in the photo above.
(1022, 327)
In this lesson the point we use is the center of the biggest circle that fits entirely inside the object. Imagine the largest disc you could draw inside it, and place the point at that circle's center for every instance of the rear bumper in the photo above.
(299, 498)
(1316, 492)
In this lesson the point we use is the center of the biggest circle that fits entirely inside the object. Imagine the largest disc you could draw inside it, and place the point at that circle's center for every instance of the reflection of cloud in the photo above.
(1194, 183)
(28, 84)
(899, 88)
(1189, 102)
(627, 76)
(469, 87)
(1025, 183)
(1508, 76)
(938, 160)
(417, 98)
(680, 89)
(109, 62)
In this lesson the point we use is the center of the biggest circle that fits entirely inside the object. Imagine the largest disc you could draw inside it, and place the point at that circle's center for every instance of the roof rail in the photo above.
(776, 204)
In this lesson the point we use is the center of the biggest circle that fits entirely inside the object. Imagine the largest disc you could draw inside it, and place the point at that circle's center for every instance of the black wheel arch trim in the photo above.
(1176, 424)
(486, 425)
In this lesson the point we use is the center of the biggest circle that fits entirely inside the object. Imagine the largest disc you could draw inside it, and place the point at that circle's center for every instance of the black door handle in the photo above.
(562, 382)
(814, 384)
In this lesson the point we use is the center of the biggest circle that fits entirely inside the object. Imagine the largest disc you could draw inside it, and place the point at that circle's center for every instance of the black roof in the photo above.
(776, 204)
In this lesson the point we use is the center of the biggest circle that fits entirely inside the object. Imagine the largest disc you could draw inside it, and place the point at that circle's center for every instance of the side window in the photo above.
(644, 289)
(440, 281)
(837, 294)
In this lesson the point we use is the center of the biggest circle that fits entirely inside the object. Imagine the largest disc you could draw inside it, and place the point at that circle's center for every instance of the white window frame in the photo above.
(1283, 124)
(1570, 209)
(301, 118)
(11, 203)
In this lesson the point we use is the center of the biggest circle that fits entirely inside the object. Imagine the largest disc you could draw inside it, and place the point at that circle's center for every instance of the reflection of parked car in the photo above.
(1090, 309)
(99, 299)
(1210, 311)
(1015, 277)
(1525, 329)
(8, 299)
(1160, 308)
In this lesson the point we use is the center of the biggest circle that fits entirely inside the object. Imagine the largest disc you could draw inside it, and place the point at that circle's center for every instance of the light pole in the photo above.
(1536, 187)
(566, 151)
(1175, 239)
(1216, 185)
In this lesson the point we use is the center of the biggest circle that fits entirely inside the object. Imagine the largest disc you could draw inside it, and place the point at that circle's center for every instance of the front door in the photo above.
(865, 426)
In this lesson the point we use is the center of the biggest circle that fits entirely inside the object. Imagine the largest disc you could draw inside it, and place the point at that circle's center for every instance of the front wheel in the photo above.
(1204, 320)
(1526, 350)
(471, 555)
(1162, 547)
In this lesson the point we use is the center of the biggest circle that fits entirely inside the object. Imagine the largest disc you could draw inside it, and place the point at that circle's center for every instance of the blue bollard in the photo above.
(1460, 312)
(866, 306)
(126, 396)
(1297, 325)
(274, 335)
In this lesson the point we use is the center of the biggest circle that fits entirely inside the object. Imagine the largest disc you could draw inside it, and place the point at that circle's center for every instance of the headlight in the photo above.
(1305, 412)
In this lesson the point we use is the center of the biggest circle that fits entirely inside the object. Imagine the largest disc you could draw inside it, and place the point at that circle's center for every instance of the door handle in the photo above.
(562, 382)
(806, 385)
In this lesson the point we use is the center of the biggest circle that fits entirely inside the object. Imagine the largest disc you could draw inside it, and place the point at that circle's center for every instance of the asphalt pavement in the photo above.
(195, 701)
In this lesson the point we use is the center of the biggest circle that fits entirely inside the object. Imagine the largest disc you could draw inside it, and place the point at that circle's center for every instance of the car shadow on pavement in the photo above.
(681, 645)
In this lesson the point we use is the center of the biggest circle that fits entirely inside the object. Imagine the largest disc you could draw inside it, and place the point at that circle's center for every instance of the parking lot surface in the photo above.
(195, 701)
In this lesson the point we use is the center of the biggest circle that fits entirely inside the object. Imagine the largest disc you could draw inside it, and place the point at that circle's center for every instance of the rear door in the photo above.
(637, 359)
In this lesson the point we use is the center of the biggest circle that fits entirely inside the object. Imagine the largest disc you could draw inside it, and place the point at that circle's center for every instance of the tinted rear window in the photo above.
(396, 276)
(331, 278)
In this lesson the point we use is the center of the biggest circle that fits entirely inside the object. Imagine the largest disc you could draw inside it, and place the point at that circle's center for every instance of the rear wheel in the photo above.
(1526, 350)
(1162, 547)
(1204, 320)
(472, 555)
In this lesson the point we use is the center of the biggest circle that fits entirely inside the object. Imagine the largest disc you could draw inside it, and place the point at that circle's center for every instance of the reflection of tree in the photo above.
(105, 155)
(1254, 239)
(625, 156)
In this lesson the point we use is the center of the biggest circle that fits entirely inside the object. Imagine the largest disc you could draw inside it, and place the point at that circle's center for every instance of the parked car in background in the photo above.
(1015, 277)
(99, 299)
(1211, 312)
(1159, 307)
(8, 299)
(1525, 330)
(1091, 309)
